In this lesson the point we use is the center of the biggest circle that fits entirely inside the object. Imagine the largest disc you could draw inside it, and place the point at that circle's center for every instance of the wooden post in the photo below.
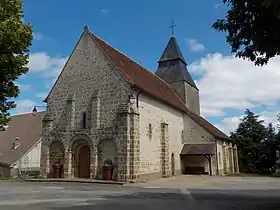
(208, 157)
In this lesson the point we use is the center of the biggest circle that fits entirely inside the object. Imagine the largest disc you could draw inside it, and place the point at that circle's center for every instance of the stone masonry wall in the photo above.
(192, 99)
(188, 94)
(152, 114)
(194, 133)
(86, 71)
(95, 88)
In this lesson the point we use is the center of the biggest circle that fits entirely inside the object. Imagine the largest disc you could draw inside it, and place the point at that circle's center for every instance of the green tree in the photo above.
(15, 39)
(248, 136)
(253, 29)
(267, 150)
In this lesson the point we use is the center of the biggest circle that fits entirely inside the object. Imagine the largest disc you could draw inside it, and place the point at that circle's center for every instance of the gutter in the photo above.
(4, 164)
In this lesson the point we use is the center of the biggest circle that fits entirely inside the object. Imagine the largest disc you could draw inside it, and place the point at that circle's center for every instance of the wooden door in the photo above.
(84, 162)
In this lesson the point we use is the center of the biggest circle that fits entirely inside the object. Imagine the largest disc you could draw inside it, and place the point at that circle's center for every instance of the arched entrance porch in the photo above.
(81, 156)
(107, 151)
(56, 159)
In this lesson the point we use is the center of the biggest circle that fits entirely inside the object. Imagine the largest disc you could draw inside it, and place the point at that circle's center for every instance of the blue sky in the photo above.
(141, 29)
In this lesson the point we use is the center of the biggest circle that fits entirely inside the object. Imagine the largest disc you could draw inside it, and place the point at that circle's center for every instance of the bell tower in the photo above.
(172, 68)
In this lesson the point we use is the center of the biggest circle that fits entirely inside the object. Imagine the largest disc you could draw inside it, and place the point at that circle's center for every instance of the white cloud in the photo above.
(229, 124)
(38, 36)
(194, 45)
(24, 106)
(270, 117)
(42, 62)
(42, 95)
(46, 66)
(23, 87)
(229, 83)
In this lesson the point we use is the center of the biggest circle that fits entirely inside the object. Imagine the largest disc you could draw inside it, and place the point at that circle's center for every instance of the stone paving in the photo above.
(180, 193)
(215, 182)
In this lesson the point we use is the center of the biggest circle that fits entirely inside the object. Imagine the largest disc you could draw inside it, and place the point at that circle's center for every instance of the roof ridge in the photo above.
(28, 113)
(118, 50)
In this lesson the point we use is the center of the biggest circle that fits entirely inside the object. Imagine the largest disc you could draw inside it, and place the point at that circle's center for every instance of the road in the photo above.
(77, 196)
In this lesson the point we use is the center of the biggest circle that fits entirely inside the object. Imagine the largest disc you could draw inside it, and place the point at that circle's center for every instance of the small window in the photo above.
(84, 123)
(150, 132)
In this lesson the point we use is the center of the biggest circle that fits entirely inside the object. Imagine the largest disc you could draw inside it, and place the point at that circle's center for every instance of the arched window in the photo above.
(150, 132)
(84, 123)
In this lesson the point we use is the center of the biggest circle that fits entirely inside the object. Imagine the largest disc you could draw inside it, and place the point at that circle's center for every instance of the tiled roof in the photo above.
(198, 149)
(25, 126)
(151, 84)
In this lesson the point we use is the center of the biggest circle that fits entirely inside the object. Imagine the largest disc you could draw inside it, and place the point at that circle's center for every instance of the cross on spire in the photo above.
(172, 28)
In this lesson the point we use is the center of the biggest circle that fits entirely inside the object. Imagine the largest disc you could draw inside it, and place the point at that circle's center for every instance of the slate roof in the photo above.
(25, 126)
(172, 51)
(172, 67)
(198, 149)
(151, 84)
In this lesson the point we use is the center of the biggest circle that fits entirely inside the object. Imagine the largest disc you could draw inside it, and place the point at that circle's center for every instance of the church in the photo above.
(107, 110)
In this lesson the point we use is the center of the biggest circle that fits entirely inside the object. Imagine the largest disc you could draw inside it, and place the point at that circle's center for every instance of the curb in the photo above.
(76, 181)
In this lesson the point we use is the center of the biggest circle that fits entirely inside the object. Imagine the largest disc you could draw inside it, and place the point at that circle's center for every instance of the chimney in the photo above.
(16, 144)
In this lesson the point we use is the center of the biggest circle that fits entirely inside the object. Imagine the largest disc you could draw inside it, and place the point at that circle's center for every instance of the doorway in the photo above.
(84, 162)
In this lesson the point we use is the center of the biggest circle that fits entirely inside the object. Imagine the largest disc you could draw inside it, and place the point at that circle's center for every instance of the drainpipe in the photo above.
(137, 98)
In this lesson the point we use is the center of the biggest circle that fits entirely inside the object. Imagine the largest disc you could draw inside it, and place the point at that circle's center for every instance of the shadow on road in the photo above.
(197, 200)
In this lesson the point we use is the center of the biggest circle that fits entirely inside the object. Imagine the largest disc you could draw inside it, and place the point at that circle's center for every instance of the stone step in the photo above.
(91, 181)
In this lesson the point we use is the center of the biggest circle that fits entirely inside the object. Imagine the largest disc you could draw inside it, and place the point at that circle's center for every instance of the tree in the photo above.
(15, 39)
(253, 29)
(248, 136)
(267, 150)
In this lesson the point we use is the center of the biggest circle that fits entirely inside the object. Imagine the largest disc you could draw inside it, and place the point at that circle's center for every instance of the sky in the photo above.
(141, 29)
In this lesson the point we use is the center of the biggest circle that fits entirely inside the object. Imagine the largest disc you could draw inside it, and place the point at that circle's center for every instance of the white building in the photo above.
(20, 149)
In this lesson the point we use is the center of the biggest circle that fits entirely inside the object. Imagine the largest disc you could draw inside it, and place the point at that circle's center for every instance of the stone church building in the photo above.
(105, 106)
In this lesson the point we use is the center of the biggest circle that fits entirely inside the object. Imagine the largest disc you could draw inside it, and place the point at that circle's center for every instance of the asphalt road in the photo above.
(76, 196)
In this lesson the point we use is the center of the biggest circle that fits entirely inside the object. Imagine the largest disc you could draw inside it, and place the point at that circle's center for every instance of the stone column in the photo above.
(165, 151)
(224, 153)
(231, 160)
(44, 162)
(93, 163)
(134, 158)
(124, 143)
(235, 155)
(68, 164)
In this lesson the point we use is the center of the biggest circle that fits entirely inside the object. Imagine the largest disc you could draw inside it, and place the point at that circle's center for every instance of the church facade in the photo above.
(104, 106)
